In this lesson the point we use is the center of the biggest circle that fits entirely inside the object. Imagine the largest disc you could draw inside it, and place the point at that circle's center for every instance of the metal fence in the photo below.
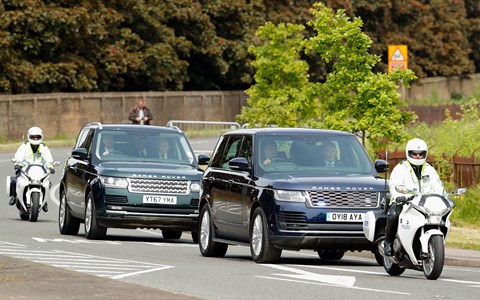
(204, 126)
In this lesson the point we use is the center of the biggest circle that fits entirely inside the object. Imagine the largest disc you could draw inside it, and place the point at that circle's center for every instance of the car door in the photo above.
(239, 191)
(75, 176)
(219, 178)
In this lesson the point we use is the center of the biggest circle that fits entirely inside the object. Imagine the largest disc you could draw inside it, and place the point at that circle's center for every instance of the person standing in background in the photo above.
(140, 114)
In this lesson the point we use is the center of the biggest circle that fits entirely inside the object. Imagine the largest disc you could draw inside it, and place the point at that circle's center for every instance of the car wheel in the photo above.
(331, 255)
(66, 223)
(261, 248)
(206, 244)
(171, 234)
(93, 231)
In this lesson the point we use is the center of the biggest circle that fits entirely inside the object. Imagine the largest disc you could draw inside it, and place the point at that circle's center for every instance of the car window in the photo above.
(141, 145)
(319, 153)
(246, 149)
(232, 150)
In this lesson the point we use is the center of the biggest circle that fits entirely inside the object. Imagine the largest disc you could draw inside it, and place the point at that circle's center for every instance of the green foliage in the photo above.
(352, 98)
(467, 208)
(280, 95)
(460, 136)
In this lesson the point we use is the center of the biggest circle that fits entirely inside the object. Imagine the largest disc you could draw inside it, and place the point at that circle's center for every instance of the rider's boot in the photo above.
(45, 207)
(12, 200)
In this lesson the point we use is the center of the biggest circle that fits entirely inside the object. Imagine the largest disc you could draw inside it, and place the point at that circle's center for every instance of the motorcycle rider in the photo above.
(415, 174)
(32, 151)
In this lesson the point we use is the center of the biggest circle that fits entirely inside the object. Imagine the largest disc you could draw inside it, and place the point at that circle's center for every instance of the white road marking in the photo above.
(97, 265)
(461, 281)
(314, 278)
(54, 198)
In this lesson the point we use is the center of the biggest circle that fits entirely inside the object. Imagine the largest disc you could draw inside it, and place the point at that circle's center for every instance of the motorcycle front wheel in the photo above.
(35, 207)
(433, 263)
(391, 268)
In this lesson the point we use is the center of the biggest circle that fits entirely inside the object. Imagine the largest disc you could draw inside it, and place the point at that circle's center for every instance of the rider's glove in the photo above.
(401, 200)
(52, 170)
(17, 167)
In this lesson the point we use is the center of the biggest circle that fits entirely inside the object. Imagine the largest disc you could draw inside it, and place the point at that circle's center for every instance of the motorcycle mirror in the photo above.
(14, 160)
(56, 163)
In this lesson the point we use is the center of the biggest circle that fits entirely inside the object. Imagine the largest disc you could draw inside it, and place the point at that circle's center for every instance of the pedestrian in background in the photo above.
(140, 114)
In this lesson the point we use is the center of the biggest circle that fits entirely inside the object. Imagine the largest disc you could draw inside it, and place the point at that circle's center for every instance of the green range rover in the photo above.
(130, 176)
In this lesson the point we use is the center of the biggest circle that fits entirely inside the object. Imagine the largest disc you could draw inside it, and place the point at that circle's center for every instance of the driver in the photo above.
(270, 152)
(33, 151)
(415, 174)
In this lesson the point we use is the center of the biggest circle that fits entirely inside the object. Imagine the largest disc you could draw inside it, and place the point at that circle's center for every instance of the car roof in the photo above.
(172, 129)
(285, 130)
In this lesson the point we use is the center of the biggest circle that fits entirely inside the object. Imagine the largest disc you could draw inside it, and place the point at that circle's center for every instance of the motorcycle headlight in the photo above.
(114, 182)
(292, 196)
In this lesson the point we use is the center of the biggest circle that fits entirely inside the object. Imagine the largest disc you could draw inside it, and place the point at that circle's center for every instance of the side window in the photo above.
(232, 150)
(216, 161)
(246, 149)
(87, 143)
(81, 138)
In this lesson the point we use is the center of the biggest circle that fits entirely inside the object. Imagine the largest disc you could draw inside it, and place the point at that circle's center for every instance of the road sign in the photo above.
(397, 57)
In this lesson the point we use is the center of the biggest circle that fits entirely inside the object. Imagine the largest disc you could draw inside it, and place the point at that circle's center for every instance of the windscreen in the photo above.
(143, 145)
(324, 153)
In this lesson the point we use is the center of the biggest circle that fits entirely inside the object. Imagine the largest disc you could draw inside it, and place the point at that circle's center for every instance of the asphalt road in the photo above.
(143, 258)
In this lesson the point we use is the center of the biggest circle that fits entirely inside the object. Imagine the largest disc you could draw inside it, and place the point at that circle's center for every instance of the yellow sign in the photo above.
(397, 57)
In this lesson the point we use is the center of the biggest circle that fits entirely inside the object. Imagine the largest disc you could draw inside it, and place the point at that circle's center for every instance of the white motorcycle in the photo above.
(31, 188)
(423, 226)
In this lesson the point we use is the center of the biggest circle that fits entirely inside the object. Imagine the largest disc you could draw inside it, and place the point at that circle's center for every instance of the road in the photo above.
(143, 257)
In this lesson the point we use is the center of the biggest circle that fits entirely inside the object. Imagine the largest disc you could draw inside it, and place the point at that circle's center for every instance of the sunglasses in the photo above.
(36, 137)
(417, 153)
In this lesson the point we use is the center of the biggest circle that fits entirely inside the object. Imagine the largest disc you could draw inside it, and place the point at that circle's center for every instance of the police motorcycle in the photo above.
(31, 186)
(423, 225)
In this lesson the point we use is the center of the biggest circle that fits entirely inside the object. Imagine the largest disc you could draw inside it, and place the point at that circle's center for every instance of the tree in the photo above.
(353, 97)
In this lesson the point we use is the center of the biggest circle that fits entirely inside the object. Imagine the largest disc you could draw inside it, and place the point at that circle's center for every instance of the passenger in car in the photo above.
(330, 155)
(163, 149)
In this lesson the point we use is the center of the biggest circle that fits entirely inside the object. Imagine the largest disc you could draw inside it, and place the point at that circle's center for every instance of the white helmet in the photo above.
(416, 151)
(35, 135)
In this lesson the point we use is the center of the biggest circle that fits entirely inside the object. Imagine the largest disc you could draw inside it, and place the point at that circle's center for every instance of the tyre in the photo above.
(261, 248)
(391, 268)
(331, 255)
(207, 246)
(195, 237)
(66, 223)
(433, 264)
(171, 234)
(378, 258)
(35, 207)
(93, 231)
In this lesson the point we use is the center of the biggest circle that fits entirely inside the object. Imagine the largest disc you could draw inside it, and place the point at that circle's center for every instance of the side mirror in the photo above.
(79, 153)
(56, 163)
(203, 159)
(381, 166)
(239, 164)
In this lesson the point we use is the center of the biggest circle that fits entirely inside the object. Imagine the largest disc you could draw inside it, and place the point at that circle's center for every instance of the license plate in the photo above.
(344, 217)
(154, 199)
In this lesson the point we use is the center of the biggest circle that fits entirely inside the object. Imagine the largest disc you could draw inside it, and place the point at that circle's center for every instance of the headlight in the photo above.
(114, 182)
(292, 196)
(195, 187)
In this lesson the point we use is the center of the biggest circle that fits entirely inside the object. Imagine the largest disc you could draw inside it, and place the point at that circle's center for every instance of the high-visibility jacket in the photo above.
(403, 174)
(42, 155)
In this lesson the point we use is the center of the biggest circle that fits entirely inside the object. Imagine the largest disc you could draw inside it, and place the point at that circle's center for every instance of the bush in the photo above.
(467, 208)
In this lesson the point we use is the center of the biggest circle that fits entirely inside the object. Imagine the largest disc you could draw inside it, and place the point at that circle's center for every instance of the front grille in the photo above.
(343, 199)
(115, 199)
(159, 186)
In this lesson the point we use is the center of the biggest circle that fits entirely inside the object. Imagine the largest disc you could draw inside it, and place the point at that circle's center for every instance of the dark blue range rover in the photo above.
(288, 188)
